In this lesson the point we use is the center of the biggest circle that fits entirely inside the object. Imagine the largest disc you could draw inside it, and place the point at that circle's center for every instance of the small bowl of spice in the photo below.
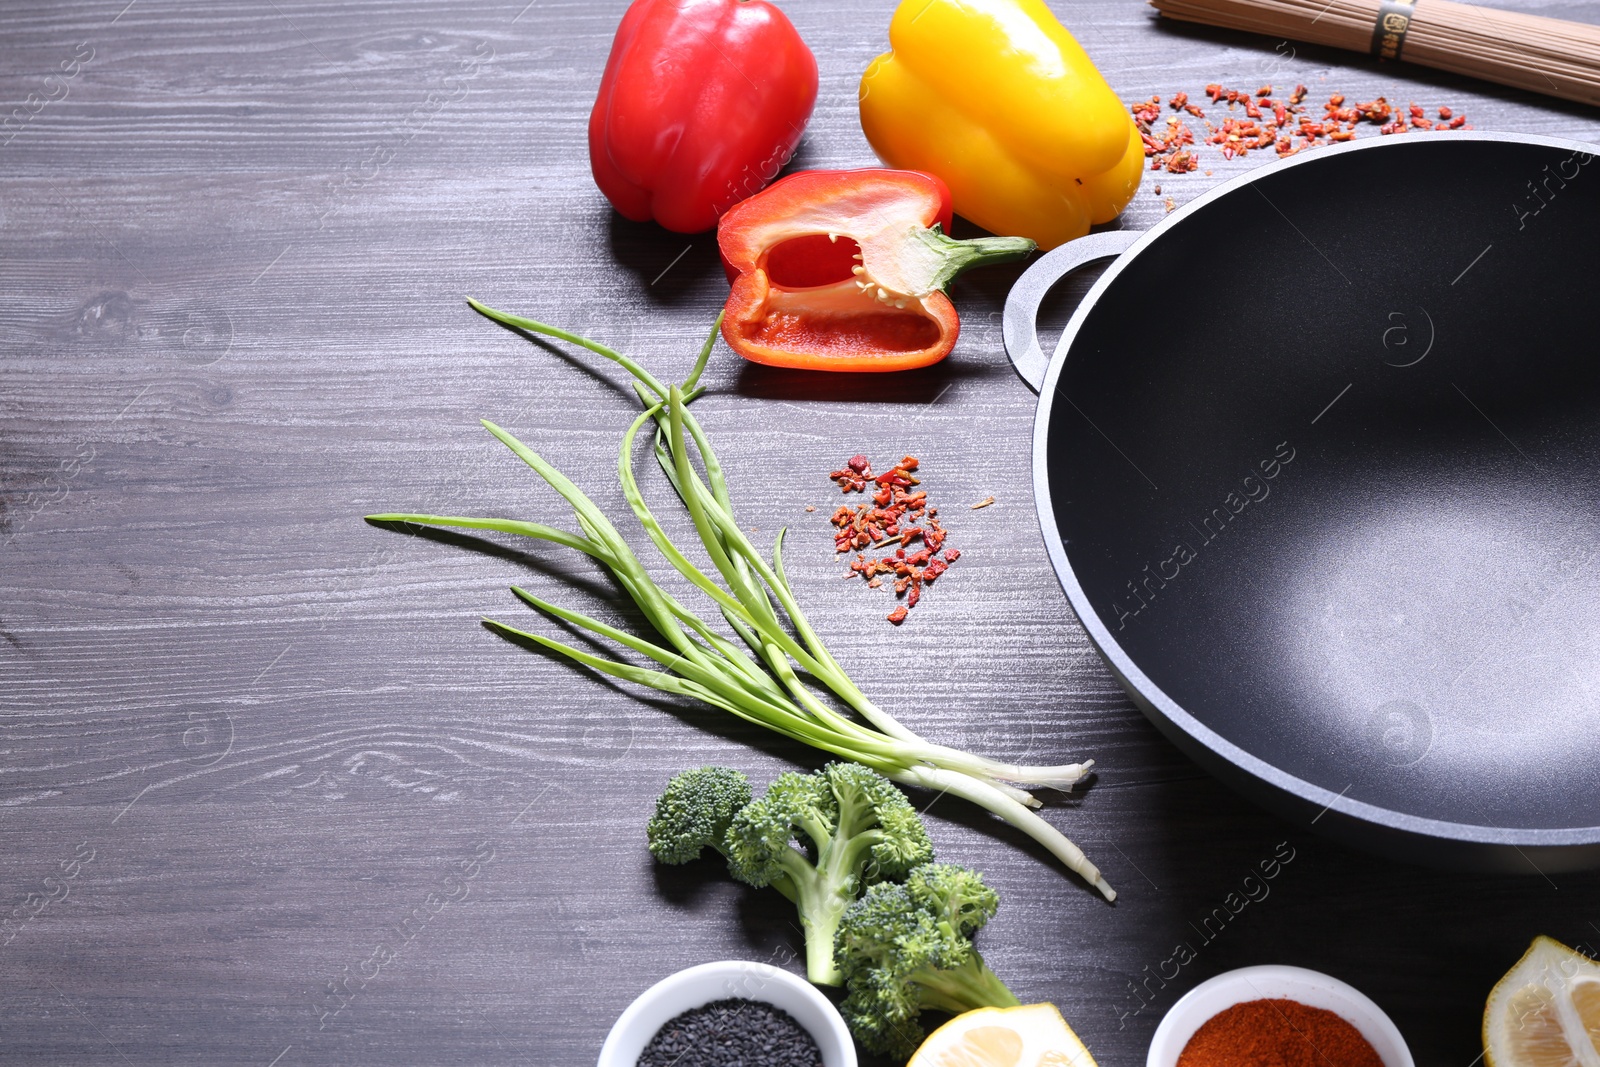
(726, 1013)
(1277, 1016)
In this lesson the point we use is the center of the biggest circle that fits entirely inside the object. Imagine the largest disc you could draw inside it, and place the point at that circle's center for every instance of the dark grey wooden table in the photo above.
(247, 740)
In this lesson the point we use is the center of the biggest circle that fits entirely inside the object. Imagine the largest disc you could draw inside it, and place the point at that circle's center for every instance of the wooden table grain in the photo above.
(269, 792)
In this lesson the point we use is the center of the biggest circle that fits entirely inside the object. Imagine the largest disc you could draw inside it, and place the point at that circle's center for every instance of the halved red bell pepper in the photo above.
(846, 270)
(701, 104)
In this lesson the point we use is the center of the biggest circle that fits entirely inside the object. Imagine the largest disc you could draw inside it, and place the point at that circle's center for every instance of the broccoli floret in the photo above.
(907, 948)
(819, 839)
(695, 812)
(853, 828)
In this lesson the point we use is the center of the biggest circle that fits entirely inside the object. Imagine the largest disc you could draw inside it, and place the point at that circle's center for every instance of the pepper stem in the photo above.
(956, 256)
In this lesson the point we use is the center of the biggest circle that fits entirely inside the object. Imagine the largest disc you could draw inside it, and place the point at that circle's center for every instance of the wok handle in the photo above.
(1019, 328)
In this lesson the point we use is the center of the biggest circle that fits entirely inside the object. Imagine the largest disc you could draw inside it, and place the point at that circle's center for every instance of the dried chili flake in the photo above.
(849, 478)
(1166, 148)
(898, 615)
(898, 515)
(1377, 111)
(1267, 122)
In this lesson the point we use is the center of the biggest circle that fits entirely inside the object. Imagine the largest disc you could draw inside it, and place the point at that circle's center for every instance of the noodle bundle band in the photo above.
(1550, 56)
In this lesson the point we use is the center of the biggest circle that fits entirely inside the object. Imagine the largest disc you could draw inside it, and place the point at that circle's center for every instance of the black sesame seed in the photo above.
(732, 1033)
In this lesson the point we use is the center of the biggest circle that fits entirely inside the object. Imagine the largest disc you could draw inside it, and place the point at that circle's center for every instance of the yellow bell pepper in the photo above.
(996, 98)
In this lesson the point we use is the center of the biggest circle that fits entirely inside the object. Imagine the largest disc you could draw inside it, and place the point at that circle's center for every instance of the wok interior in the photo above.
(1330, 475)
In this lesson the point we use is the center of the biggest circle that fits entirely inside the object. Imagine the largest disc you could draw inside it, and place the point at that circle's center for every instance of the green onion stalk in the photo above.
(760, 682)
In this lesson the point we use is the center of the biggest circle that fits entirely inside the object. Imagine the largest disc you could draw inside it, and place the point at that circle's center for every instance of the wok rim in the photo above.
(1141, 687)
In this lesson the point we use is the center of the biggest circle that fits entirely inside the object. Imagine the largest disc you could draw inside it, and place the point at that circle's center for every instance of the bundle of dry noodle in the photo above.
(1550, 56)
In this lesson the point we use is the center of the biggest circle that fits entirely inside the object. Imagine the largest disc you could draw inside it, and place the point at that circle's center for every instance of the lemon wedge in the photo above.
(1546, 1011)
(1033, 1035)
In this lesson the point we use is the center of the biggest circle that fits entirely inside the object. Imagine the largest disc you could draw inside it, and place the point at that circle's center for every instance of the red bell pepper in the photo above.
(846, 270)
(701, 104)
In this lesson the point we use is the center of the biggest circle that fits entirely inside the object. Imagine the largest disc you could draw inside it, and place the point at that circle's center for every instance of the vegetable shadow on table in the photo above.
(670, 268)
(902, 388)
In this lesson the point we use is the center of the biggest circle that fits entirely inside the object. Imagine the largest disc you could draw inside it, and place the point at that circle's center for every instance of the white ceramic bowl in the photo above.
(697, 986)
(1312, 988)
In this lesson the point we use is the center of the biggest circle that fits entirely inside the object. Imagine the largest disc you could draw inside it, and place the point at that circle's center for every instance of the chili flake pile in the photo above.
(896, 515)
(1282, 125)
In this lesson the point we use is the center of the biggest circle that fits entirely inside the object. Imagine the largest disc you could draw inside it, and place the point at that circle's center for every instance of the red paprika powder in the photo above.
(1278, 1033)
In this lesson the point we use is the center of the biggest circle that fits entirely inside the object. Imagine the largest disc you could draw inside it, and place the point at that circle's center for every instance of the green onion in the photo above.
(761, 681)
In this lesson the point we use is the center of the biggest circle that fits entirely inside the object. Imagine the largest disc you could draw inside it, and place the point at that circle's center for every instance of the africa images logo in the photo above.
(1253, 488)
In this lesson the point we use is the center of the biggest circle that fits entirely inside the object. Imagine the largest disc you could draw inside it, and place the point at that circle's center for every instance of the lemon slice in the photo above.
(1546, 1011)
(1034, 1035)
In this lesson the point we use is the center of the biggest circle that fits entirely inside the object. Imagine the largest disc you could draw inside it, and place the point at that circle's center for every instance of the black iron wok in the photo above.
(1317, 461)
